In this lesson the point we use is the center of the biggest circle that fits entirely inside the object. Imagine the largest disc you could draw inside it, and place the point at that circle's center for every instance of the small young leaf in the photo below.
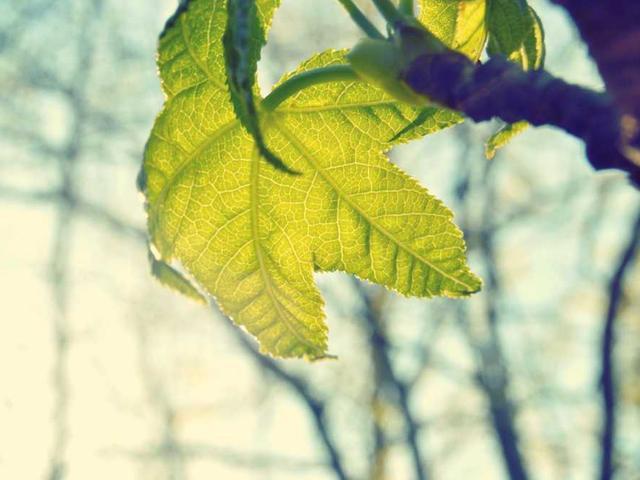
(503, 136)
(460, 24)
(171, 278)
(532, 52)
(507, 24)
(421, 119)
(528, 50)
(242, 42)
(530, 55)
(251, 235)
(379, 63)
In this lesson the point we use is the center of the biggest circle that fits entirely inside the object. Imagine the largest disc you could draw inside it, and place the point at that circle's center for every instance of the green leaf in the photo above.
(507, 24)
(460, 24)
(173, 279)
(529, 54)
(423, 117)
(516, 34)
(251, 235)
(242, 42)
(503, 136)
(532, 52)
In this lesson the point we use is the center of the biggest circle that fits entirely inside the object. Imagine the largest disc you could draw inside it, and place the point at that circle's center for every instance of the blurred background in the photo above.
(106, 375)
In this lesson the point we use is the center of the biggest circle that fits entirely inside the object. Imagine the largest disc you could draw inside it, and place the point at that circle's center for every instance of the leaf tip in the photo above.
(489, 151)
(174, 280)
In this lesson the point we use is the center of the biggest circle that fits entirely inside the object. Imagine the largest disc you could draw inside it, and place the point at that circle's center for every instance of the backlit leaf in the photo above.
(173, 279)
(502, 137)
(460, 24)
(251, 235)
(242, 42)
(518, 36)
(507, 25)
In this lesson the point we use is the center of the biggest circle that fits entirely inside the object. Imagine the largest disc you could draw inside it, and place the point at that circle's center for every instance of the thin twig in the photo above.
(360, 19)
(382, 351)
(491, 372)
(388, 10)
(608, 381)
(315, 406)
(225, 455)
(169, 450)
(59, 256)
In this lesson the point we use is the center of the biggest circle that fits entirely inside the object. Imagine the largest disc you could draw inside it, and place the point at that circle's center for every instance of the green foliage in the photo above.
(460, 24)
(242, 42)
(379, 62)
(510, 27)
(171, 278)
(503, 136)
(507, 27)
(251, 235)
(506, 22)
(516, 33)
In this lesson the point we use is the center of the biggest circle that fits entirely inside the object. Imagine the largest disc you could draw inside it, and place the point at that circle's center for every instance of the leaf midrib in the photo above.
(255, 233)
(301, 148)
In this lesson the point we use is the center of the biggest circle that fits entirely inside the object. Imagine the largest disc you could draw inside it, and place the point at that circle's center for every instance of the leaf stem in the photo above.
(360, 19)
(389, 11)
(407, 7)
(296, 83)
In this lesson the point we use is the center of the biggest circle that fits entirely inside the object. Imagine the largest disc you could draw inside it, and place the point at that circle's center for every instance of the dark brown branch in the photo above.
(611, 30)
(501, 89)
(608, 383)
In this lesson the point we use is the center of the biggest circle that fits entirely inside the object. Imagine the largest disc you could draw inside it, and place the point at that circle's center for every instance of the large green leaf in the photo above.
(460, 24)
(251, 235)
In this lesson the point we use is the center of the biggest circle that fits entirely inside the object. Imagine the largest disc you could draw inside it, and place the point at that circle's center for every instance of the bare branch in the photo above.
(382, 358)
(608, 382)
(501, 89)
(226, 455)
(491, 371)
(315, 406)
(611, 31)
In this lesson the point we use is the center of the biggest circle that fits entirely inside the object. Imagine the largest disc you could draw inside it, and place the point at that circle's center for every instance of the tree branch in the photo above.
(315, 406)
(225, 455)
(492, 374)
(501, 89)
(382, 356)
(612, 32)
(608, 374)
